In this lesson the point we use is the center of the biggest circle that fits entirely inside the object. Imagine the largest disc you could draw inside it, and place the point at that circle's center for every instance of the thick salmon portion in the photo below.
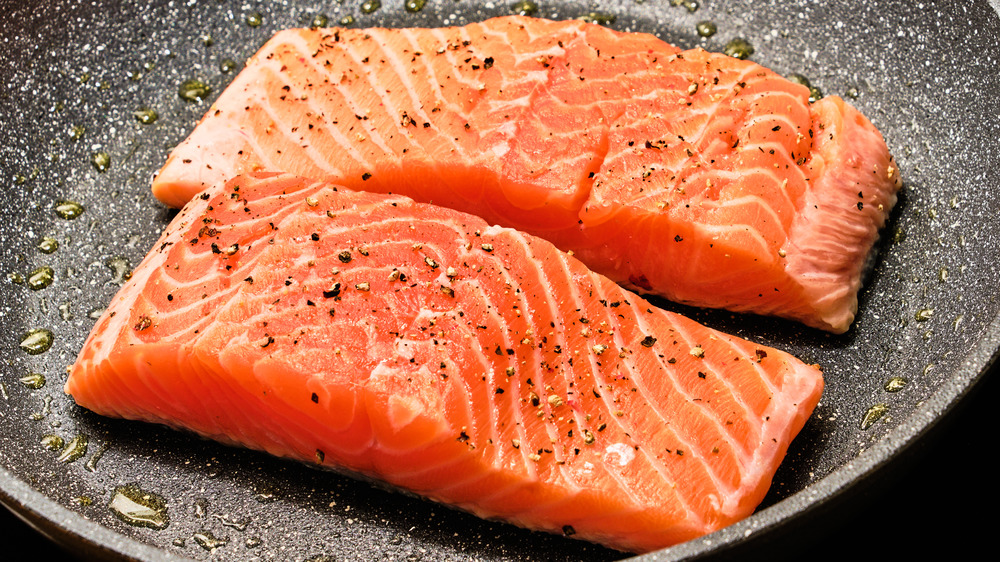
(696, 176)
(471, 364)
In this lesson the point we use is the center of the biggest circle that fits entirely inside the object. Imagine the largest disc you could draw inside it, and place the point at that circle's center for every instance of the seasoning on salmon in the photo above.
(512, 383)
(696, 176)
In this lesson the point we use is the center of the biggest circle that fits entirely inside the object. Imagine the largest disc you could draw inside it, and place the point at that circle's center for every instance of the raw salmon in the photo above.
(696, 176)
(471, 364)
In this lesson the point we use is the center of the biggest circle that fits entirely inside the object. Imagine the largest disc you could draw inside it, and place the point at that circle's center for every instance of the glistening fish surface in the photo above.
(696, 176)
(474, 365)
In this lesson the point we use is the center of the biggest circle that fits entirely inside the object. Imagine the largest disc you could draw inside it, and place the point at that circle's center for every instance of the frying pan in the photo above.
(73, 75)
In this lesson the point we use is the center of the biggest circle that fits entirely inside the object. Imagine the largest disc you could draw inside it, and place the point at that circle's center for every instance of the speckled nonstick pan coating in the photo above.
(927, 75)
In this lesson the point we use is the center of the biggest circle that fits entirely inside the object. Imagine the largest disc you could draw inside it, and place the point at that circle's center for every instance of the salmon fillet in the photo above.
(470, 364)
(705, 179)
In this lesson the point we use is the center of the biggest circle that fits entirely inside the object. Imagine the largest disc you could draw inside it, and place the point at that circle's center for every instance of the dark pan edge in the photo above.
(90, 540)
(836, 488)
(84, 538)
(93, 541)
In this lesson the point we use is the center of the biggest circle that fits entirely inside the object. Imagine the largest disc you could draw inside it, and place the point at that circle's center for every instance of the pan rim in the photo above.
(71, 529)
(839, 483)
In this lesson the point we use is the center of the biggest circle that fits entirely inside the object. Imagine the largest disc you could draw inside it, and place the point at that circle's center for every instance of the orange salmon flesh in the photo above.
(705, 179)
(474, 365)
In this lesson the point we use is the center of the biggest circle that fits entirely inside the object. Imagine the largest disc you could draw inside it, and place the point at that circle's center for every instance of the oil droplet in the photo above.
(924, 314)
(91, 464)
(346, 20)
(68, 210)
(82, 500)
(16, 278)
(52, 442)
(706, 28)
(415, 5)
(208, 541)
(319, 20)
(119, 266)
(690, 5)
(240, 524)
(815, 94)
(207, 40)
(48, 245)
(799, 79)
(138, 507)
(600, 18)
(46, 410)
(200, 508)
(852, 93)
(101, 161)
(76, 448)
(898, 235)
(37, 340)
(524, 8)
(95, 313)
(252, 542)
(64, 312)
(739, 48)
(193, 90)
(76, 133)
(227, 66)
(146, 116)
(895, 384)
(40, 278)
(255, 19)
(266, 494)
(33, 380)
(370, 6)
(873, 414)
(943, 274)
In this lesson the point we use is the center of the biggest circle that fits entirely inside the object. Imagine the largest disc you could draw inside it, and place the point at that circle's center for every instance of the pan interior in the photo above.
(82, 85)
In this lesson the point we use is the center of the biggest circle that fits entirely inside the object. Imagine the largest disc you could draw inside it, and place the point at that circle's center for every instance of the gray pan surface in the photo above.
(72, 75)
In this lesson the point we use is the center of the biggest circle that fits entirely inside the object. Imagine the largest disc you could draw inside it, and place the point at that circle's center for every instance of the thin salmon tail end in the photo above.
(195, 164)
(801, 389)
(853, 188)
